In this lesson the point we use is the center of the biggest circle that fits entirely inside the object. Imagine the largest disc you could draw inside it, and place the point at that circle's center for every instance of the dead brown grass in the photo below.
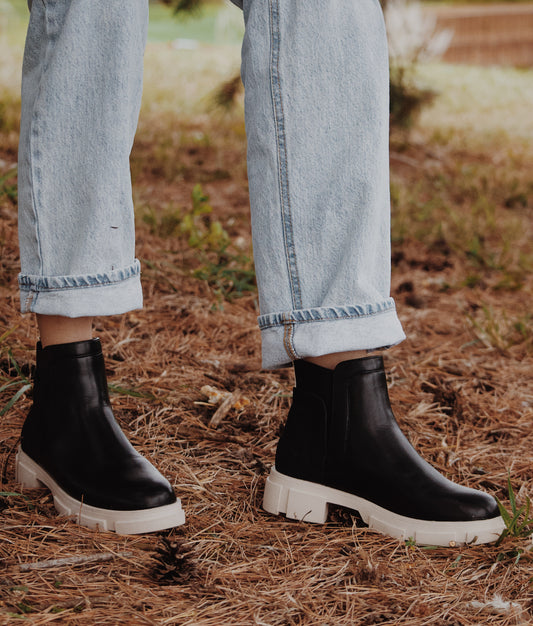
(465, 402)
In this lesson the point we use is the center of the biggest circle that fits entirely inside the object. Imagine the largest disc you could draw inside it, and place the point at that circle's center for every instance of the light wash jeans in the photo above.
(316, 107)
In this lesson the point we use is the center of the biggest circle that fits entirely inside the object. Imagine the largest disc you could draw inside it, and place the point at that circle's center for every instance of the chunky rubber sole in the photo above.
(31, 475)
(306, 501)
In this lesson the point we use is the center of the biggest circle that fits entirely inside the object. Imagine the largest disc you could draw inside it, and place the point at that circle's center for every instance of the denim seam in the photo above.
(288, 337)
(31, 298)
(281, 144)
(284, 323)
(33, 132)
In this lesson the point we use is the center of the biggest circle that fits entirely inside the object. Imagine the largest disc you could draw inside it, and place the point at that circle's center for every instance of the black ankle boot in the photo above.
(72, 444)
(342, 445)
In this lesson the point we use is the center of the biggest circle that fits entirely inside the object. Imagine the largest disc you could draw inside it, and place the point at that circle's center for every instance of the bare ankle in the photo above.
(330, 361)
(56, 329)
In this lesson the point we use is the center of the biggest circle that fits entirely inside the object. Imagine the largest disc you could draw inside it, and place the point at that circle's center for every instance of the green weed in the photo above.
(477, 212)
(517, 521)
(228, 271)
(8, 185)
(500, 332)
(518, 524)
(203, 233)
(133, 393)
(14, 399)
(14, 494)
(455, 563)
(232, 276)
(411, 543)
(25, 607)
(195, 224)
(164, 225)
(21, 383)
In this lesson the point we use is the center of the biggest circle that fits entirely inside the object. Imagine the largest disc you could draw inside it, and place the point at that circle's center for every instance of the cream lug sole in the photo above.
(308, 502)
(31, 475)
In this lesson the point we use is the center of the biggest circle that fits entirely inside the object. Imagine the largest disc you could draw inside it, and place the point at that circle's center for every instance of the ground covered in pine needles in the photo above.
(461, 385)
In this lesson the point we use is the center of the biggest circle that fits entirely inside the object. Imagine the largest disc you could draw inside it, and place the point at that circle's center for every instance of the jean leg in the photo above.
(81, 92)
(316, 107)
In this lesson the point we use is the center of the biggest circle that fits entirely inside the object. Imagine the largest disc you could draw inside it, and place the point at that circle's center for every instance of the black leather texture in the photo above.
(341, 433)
(71, 432)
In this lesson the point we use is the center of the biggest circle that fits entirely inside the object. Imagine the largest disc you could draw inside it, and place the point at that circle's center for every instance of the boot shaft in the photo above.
(73, 370)
(333, 416)
(70, 389)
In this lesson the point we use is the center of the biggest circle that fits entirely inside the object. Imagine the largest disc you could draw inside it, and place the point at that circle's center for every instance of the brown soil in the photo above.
(465, 403)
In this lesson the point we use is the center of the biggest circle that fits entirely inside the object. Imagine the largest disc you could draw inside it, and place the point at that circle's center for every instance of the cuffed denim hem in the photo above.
(287, 337)
(108, 293)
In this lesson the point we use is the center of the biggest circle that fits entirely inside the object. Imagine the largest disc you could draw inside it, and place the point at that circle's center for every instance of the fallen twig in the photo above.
(224, 409)
(73, 560)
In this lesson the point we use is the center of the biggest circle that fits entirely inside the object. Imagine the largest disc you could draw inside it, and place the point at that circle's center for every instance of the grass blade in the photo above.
(6, 334)
(19, 393)
(13, 383)
(503, 512)
(512, 498)
(17, 367)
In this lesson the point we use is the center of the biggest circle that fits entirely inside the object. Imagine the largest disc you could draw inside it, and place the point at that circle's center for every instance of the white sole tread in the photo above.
(307, 501)
(31, 475)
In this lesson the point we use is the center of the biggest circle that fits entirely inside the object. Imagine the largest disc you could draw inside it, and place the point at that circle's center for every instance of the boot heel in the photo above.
(290, 496)
(24, 474)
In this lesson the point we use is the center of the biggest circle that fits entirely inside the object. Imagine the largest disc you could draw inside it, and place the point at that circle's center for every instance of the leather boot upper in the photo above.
(341, 433)
(72, 434)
